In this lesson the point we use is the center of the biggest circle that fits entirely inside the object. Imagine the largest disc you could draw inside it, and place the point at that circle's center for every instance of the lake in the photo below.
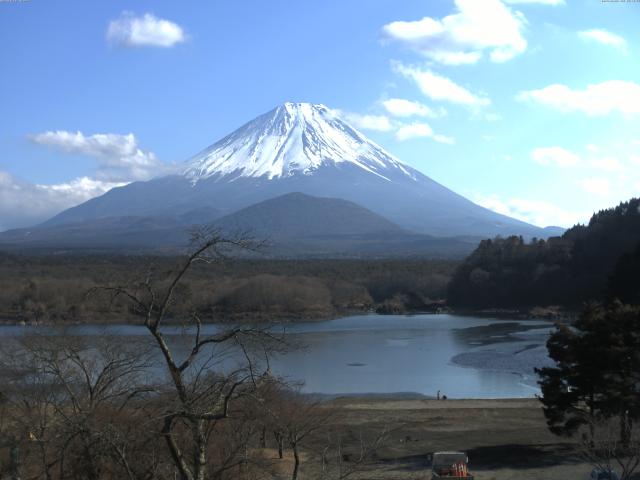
(462, 356)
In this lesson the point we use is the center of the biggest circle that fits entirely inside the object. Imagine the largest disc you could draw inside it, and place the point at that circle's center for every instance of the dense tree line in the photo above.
(52, 288)
(598, 261)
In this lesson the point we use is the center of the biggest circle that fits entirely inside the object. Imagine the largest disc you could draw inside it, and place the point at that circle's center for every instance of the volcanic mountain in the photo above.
(296, 147)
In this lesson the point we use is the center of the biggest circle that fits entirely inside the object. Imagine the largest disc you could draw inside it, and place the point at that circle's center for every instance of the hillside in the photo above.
(293, 225)
(583, 264)
(296, 215)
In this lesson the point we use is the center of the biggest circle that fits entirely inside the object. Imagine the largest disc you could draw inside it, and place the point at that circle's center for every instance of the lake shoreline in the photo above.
(523, 314)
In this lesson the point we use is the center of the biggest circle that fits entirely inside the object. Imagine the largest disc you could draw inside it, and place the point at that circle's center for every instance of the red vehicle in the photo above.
(450, 465)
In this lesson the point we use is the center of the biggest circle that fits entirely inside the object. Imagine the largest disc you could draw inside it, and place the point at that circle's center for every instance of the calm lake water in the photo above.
(462, 356)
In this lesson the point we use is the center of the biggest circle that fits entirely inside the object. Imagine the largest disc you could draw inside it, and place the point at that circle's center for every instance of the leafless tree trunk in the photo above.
(296, 460)
(344, 464)
(199, 398)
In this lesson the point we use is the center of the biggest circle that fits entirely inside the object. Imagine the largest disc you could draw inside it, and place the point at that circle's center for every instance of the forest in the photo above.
(52, 289)
(598, 261)
(594, 262)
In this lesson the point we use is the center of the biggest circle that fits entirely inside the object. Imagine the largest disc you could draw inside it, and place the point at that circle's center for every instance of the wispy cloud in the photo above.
(382, 123)
(595, 100)
(557, 156)
(414, 130)
(444, 139)
(593, 160)
(144, 31)
(377, 123)
(23, 204)
(400, 107)
(440, 88)
(536, 212)
(120, 159)
(420, 130)
(463, 36)
(604, 37)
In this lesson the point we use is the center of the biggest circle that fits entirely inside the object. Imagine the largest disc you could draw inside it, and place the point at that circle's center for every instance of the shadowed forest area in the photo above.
(594, 262)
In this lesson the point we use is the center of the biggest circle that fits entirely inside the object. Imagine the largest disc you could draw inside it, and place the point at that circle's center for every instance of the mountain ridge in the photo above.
(294, 225)
(299, 147)
(292, 138)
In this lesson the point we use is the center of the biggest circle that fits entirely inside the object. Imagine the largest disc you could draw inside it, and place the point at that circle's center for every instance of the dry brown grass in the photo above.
(505, 439)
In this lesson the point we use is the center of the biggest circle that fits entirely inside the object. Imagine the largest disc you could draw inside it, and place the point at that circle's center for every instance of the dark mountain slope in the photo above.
(294, 225)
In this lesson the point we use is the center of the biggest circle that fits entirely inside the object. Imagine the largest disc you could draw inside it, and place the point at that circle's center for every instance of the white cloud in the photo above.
(462, 37)
(144, 31)
(120, 158)
(536, 212)
(604, 37)
(561, 157)
(557, 156)
(420, 130)
(378, 123)
(414, 130)
(81, 188)
(399, 107)
(382, 123)
(444, 139)
(24, 204)
(441, 88)
(597, 186)
(493, 117)
(120, 161)
(595, 100)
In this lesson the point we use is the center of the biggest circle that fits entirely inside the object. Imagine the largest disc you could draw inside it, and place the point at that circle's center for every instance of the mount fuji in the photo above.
(296, 147)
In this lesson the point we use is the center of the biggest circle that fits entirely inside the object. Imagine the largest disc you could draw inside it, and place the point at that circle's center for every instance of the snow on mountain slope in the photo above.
(293, 138)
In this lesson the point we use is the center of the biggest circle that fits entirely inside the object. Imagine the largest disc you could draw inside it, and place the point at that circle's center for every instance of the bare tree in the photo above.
(601, 445)
(68, 401)
(201, 390)
(340, 461)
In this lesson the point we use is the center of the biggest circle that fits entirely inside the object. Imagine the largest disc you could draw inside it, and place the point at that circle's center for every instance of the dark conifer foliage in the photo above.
(597, 371)
(567, 270)
(624, 283)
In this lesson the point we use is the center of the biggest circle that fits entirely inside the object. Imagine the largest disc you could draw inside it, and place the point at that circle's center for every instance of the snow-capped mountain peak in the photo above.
(293, 139)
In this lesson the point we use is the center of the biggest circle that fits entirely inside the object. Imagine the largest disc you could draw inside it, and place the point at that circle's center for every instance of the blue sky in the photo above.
(529, 107)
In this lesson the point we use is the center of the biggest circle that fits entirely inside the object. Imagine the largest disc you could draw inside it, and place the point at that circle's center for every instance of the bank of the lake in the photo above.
(504, 439)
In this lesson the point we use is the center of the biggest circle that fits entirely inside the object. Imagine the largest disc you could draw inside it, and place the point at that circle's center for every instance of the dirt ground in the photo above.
(504, 439)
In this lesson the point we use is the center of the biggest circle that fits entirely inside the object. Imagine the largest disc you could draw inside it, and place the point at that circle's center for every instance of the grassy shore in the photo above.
(505, 439)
